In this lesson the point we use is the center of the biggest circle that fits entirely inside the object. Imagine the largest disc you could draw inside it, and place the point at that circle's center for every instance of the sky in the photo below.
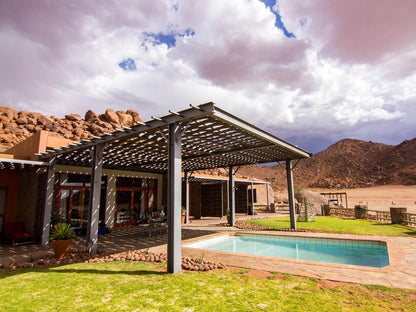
(309, 71)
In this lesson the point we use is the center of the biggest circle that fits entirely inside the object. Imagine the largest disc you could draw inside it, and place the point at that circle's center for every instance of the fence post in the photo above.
(361, 212)
(396, 214)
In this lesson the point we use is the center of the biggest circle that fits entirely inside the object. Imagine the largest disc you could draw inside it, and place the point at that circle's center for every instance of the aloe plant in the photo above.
(61, 231)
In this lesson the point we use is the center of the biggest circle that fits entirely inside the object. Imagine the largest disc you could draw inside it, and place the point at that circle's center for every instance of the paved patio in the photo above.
(400, 273)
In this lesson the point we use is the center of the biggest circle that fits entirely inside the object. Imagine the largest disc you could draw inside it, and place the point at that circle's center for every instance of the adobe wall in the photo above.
(28, 211)
(37, 143)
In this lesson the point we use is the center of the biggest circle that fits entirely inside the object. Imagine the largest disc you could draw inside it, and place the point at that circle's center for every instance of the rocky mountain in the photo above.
(15, 126)
(345, 164)
(348, 164)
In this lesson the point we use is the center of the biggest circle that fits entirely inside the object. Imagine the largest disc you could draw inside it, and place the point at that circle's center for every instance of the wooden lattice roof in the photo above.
(211, 138)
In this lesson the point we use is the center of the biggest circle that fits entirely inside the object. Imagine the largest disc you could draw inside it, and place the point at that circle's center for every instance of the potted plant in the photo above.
(57, 217)
(61, 237)
(227, 214)
(183, 215)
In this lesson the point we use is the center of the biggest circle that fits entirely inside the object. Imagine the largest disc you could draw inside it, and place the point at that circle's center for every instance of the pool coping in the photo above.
(394, 254)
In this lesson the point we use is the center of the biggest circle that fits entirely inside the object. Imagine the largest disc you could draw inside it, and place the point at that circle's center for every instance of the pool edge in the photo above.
(394, 254)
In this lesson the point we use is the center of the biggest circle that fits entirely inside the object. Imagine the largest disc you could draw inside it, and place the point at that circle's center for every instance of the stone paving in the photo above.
(401, 272)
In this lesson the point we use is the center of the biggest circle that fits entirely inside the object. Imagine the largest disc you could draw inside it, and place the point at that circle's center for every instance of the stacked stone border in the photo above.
(190, 264)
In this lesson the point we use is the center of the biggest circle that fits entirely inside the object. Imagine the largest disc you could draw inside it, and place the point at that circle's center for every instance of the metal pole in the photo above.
(252, 197)
(186, 177)
(231, 194)
(291, 194)
(95, 196)
(346, 201)
(47, 208)
(267, 197)
(174, 199)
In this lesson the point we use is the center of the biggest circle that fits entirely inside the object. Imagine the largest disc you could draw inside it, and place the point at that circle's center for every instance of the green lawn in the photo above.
(339, 225)
(142, 286)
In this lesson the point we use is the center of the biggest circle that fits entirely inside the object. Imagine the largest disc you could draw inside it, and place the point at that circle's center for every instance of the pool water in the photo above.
(355, 252)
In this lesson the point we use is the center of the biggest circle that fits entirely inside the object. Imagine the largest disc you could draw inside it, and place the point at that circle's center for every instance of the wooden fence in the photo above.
(405, 218)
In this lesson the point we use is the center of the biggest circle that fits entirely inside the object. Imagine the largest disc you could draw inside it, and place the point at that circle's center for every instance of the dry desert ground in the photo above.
(380, 197)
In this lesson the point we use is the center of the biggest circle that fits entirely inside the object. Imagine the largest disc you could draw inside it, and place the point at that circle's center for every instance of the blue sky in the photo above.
(311, 72)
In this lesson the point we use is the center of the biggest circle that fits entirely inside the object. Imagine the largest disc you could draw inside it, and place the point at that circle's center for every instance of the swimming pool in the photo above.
(345, 251)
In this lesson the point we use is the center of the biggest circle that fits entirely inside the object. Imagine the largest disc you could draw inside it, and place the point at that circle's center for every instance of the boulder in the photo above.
(313, 198)
(96, 129)
(44, 120)
(21, 120)
(9, 112)
(135, 115)
(90, 115)
(125, 119)
(111, 116)
(78, 132)
(73, 117)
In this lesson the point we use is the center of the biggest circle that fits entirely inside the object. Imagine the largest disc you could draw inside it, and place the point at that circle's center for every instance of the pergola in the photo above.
(201, 137)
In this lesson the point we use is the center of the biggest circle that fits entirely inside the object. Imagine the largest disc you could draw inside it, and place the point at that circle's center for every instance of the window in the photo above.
(135, 199)
(73, 196)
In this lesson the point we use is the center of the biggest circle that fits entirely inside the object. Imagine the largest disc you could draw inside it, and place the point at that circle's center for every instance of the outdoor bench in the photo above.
(15, 231)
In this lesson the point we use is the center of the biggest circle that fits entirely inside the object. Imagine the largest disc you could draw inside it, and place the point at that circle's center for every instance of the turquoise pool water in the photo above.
(355, 252)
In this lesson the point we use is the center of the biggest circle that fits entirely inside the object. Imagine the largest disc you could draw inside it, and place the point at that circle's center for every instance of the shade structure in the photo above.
(211, 138)
(201, 137)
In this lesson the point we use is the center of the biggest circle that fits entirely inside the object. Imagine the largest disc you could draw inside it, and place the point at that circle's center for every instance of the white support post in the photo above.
(231, 195)
(95, 196)
(47, 208)
(110, 204)
(222, 200)
(267, 197)
(252, 197)
(186, 177)
(291, 194)
(174, 199)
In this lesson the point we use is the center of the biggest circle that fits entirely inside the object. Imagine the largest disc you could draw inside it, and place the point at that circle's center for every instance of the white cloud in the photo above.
(352, 63)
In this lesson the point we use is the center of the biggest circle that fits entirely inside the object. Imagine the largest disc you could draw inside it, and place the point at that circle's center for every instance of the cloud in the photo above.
(349, 70)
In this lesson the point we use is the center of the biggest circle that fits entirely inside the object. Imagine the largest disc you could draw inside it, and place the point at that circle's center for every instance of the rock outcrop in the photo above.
(15, 126)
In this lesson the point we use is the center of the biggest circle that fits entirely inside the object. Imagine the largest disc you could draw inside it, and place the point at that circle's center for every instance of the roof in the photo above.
(222, 180)
(211, 138)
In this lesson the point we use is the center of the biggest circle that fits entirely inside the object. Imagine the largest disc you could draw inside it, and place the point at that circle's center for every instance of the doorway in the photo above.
(3, 193)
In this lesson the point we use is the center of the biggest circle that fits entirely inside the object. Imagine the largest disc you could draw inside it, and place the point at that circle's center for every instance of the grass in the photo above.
(339, 225)
(142, 286)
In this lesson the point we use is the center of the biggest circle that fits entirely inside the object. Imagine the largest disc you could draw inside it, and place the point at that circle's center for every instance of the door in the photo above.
(211, 200)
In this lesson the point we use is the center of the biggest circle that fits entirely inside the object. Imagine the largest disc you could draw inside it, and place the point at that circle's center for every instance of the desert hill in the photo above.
(345, 164)
(348, 164)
